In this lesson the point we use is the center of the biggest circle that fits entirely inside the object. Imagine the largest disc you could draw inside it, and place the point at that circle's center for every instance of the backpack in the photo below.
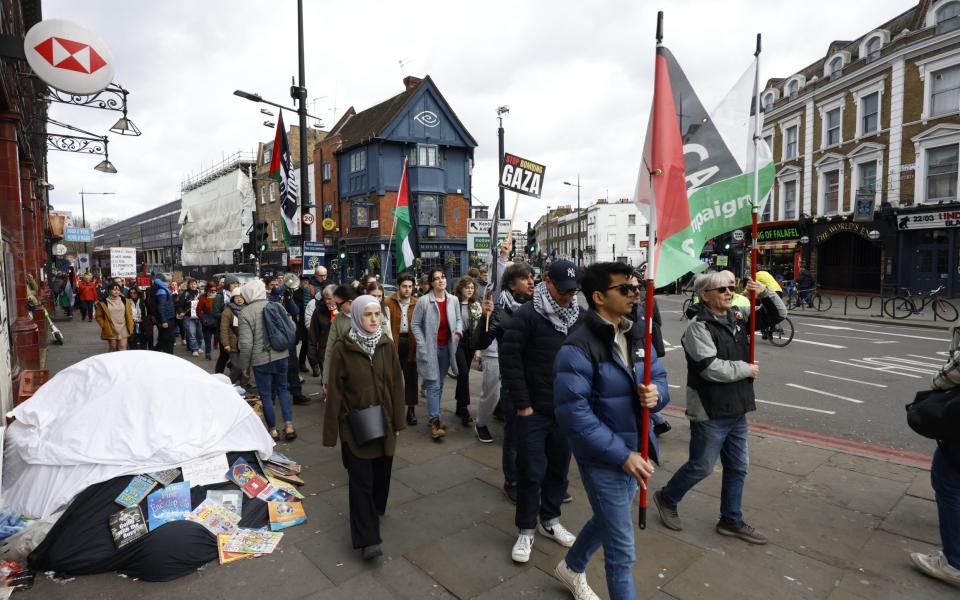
(280, 332)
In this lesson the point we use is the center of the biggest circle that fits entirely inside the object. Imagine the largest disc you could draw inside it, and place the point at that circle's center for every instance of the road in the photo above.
(844, 379)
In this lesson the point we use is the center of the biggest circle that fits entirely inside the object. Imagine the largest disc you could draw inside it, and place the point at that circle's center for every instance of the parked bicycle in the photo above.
(815, 300)
(780, 334)
(687, 304)
(913, 303)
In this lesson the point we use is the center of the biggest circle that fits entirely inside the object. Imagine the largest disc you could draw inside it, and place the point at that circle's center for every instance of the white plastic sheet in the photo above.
(215, 218)
(116, 414)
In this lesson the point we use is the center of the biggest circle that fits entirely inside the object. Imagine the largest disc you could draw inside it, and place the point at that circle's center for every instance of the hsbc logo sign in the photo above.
(69, 57)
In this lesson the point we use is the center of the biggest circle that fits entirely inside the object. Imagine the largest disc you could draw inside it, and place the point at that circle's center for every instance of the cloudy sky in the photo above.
(577, 77)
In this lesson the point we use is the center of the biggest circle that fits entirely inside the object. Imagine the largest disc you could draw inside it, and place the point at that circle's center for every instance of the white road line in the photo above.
(887, 342)
(837, 327)
(894, 364)
(818, 343)
(945, 356)
(846, 379)
(885, 370)
(821, 392)
(913, 362)
(817, 410)
(848, 337)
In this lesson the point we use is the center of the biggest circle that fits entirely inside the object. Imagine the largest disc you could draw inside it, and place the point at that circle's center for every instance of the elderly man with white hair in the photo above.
(719, 395)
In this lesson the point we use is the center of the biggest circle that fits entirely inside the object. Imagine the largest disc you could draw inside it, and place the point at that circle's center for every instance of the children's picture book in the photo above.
(229, 557)
(285, 514)
(136, 490)
(282, 485)
(171, 503)
(232, 499)
(272, 493)
(285, 461)
(166, 477)
(216, 517)
(206, 471)
(253, 541)
(272, 471)
(244, 475)
(127, 526)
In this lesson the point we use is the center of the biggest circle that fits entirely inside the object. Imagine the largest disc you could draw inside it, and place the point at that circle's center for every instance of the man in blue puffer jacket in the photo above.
(598, 402)
(166, 316)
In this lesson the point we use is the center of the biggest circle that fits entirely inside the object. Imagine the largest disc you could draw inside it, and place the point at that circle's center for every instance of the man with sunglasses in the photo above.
(599, 401)
(530, 344)
(719, 395)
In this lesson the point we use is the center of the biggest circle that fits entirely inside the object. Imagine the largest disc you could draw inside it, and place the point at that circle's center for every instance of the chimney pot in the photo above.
(410, 82)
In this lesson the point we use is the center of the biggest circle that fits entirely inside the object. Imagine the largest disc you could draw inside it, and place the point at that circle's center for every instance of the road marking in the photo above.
(846, 379)
(890, 363)
(887, 342)
(848, 337)
(946, 355)
(816, 391)
(885, 370)
(818, 343)
(817, 410)
(913, 363)
(839, 328)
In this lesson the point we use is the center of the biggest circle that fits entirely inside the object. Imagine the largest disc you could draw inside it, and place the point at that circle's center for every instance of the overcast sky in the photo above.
(577, 77)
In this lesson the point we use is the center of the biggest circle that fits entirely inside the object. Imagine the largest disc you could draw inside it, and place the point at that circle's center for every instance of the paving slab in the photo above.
(884, 571)
(851, 489)
(787, 456)
(763, 486)
(407, 582)
(362, 586)
(921, 487)
(444, 471)
(339, 498)
(876, 468)
(532, 584)
(914, 518)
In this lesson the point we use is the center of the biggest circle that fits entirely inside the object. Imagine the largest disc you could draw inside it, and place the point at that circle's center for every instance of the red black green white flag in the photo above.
(404, 229)
(281, 169)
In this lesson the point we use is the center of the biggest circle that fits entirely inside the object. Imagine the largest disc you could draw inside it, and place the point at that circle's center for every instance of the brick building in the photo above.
(359, 165)
(866, 143)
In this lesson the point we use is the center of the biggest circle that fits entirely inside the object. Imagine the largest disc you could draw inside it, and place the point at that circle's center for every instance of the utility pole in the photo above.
(300, 94)
(501, 110)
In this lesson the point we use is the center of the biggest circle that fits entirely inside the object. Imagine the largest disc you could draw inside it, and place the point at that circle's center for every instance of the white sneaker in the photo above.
(197, 353)
(935, 565)
(558, 533)
(522, 549)
(575, 582)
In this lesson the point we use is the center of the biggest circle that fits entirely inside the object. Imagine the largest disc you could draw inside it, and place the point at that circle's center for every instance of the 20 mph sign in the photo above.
(68, 57)
(307, 218)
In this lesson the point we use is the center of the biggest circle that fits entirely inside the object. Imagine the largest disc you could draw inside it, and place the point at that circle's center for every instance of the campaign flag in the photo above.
(281, 169)
(720, 159)
(405, 232)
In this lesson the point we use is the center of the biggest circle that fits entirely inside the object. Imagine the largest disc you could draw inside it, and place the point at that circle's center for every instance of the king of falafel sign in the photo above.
(521, 175)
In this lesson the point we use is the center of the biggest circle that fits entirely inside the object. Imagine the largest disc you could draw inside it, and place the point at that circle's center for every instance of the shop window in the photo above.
(429, 210)
(945, 91)
(942, 173)
(831, 192)
(790, 147)
(869, 113)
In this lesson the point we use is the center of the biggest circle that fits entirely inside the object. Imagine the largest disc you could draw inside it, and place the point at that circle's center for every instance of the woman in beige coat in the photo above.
(115, 317)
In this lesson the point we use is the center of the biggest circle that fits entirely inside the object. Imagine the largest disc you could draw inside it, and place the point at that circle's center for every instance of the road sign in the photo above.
(478, 233)
(328, 224)
(738, 235)
(307, 218)
(68, 57)
(722, 260)
(78, 234)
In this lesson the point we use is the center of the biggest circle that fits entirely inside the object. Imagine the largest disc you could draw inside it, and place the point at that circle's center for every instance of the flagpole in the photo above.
(648, 310)
(396, 205)
(756, 200)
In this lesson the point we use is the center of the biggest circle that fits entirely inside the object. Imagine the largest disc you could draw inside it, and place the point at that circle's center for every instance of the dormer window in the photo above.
(835, 64)
(793, 85)
(873, 48)
(948, 17)
(872, 44)
(767, 99)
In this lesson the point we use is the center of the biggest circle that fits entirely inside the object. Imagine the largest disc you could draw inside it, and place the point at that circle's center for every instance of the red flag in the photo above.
(663, 165)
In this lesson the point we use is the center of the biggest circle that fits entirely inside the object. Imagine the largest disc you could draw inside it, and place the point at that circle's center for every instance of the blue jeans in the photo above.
(192, 327)
(435, 387)
(271, 379)
(726, 437)
(611, 493)
(945, 479)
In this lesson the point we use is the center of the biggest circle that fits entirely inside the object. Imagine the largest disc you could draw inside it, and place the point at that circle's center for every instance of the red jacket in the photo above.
(87, 291)
(204, 304)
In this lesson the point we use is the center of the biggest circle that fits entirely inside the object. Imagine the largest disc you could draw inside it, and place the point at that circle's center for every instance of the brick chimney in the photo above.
(410, 82)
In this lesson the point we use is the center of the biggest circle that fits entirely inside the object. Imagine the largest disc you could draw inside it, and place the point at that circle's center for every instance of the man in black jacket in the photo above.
(530, 345)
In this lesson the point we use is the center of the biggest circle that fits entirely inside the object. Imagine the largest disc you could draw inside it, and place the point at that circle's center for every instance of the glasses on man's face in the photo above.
(723, 289)
(625, 288)
(569, 292)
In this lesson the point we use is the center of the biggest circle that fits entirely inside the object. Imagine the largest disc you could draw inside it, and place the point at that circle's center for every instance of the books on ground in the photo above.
(244, 475)
(166, 477)
(171, 503)
(285, 514)
(127, 526)
(206, 471)
(228, 557)
(282, 460)
(216, 517)
(232, 499)
(253, 541)
(136, 490)
(282, 485)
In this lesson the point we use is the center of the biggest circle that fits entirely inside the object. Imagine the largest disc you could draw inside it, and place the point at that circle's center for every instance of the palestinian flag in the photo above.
(281, 169)
(719, 164)
(404, 230)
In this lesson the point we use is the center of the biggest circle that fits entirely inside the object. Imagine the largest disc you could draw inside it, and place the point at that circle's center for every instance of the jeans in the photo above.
(272, 379)
(543, 461)
(611, 493)
(804, 297)
(434, 387)
(192, 327)
(726, 437)
(945, 478)
(86, 309)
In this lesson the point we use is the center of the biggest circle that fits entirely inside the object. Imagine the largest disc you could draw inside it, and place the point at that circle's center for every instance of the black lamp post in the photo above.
(577, 185)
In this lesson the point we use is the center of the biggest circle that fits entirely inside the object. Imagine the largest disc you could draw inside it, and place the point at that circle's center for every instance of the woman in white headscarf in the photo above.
(365, 372)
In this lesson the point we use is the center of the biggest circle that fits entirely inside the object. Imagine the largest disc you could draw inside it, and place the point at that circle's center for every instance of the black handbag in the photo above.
(368, 425)
(936, 414)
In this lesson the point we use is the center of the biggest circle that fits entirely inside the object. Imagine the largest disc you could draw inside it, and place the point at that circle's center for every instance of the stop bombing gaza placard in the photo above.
(521, 175)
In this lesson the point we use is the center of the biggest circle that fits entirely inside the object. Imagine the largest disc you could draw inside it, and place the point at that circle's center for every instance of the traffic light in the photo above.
(260, 236)
(531, 241)
(342, 251)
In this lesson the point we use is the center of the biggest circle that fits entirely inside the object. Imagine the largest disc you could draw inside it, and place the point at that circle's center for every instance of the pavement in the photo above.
(841, 525)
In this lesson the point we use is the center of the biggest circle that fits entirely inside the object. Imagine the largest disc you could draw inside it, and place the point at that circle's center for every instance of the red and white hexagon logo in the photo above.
(68, 57)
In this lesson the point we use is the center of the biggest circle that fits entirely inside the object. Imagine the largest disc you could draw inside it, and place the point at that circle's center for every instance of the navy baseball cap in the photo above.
(564, 274)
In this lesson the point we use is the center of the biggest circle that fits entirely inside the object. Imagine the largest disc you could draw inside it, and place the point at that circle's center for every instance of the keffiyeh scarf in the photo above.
(561, 318)
(368, 343)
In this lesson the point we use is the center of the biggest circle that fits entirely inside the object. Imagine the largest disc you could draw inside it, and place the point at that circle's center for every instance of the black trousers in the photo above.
(409, 371)
(293, 374)
(543, 461)
(509, 460)
(464, 360)
(222, 360)
(369, 489)
(165, 337)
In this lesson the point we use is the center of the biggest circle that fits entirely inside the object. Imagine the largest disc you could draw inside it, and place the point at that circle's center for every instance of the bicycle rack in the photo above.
(869, 306)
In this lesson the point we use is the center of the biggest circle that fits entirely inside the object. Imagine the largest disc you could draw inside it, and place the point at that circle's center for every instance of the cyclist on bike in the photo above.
(805, 286)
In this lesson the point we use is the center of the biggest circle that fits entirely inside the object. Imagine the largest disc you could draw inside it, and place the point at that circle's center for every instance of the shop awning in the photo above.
(777, 245)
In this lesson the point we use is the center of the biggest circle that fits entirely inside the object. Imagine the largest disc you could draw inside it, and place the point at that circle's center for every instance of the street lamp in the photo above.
(577, 185)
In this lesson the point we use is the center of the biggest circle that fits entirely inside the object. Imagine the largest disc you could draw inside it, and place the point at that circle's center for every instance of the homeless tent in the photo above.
(93, 426)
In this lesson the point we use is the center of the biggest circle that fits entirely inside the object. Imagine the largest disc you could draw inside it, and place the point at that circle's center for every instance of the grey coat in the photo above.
(254, 349)
(426, 323)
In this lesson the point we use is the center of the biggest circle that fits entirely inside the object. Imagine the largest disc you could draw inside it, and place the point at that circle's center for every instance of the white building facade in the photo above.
(616, 231)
